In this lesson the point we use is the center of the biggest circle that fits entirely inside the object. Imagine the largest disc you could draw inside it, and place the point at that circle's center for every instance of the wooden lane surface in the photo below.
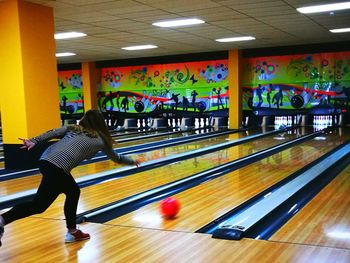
(325, 220)
(134, 133)
(31, 182)
(160, 138)
(113, 190)
(41, 240)
(206, 202)
(141, 133)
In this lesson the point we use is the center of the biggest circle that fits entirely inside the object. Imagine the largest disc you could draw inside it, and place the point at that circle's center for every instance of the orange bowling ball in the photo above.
(169, 207)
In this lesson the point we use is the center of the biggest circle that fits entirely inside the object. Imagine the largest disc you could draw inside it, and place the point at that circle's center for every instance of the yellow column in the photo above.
(89, 73)
(235, 93)
(28, 72)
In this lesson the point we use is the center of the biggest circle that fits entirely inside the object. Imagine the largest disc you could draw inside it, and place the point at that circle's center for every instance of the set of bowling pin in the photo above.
(142, 123)
(323, 120)
(201, 122)
(285, 120)
(175, 122)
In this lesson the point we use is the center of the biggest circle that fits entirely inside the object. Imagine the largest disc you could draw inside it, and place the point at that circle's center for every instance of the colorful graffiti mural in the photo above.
(70, 91)
(297, 81)
(190, 86)
(277, 82)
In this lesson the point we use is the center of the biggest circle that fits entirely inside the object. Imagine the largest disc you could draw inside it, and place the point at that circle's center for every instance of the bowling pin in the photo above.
(196, 123)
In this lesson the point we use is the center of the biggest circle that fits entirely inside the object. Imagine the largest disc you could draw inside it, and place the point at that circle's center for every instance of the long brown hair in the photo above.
(93, 123)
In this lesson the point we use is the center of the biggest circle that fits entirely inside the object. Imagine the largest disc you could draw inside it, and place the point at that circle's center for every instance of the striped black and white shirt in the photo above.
(74, 147)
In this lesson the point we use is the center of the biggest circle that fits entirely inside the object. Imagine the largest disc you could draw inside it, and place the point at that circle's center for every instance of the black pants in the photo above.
(54, 182)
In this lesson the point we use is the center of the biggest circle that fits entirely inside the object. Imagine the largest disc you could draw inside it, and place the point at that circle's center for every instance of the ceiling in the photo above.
(111, 25)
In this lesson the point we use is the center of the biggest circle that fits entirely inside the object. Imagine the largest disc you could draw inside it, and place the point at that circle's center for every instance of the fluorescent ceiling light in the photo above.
(179, 22)
(67, 35)
(65, 54)
(139, 47)
(324, 8)
(235, 39)
(340, 30)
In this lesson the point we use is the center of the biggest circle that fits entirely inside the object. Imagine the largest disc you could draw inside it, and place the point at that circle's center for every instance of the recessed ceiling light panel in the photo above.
(324, 8)
(235, 39)
(139, 47)
(340, 30)
(179, 22)
(65, 54)
(67, 35)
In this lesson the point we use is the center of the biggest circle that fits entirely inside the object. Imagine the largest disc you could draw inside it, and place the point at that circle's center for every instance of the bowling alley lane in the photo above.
(153, 139)
(204, 203)
(31, 182)
(325, 220)
(117, 189)
(141, 133)
(158, 132)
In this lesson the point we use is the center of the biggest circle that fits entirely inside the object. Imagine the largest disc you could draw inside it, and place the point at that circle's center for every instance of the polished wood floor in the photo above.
(144, 236)
(40, 240)
(325, 221)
